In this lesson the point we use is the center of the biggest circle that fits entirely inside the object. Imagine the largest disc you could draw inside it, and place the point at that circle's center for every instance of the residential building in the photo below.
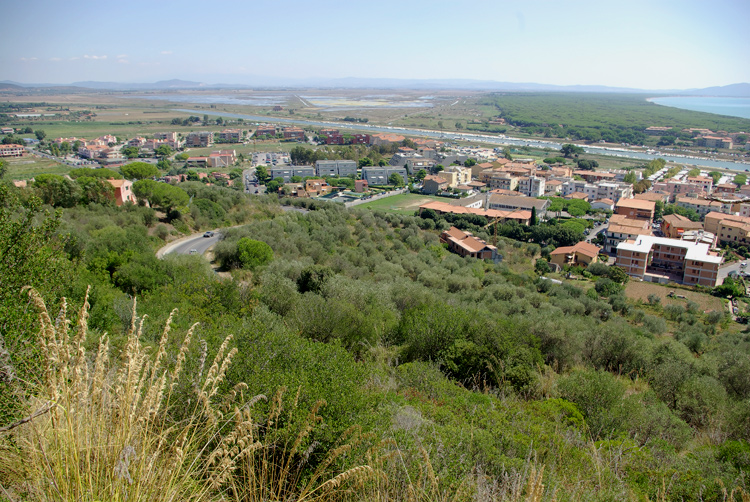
(453, 178)
(200, 139)
(465, 244)
(595, 176)
(573, 186)
(724, 188)
(477, 169)
(553, 187)
(295, 190)
(675, 187)
(197, 161)
(705, 182)
(303, 171)
(674, 226)
(577, 196)
(660, 259)
(326, 168)
(265, 130)
(702, 206)
(621, 229)
(167, 136)
(654, 196)
(463, 174)
(582, 253)
(379, 175)
(496, 201)
(532, 186)
(317, 187)
(231, 135)
(123, 191)
(522, 217)
(12, 150)
(714, 142)
(137, 142)
(502, 181)
(477, 185)
(614, 191)
(294, 133)
(636, 209)
(728, 227)
(386, 139)
(694, 131)
(657, 131)
(361, 186)
(287, 172)
(476, 201)
(222, 158)
(7, 130)
(434, 184)
(417, 163)
(604, 204)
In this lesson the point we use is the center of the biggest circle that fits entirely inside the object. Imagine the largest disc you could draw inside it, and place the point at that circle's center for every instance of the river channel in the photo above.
(488, 139)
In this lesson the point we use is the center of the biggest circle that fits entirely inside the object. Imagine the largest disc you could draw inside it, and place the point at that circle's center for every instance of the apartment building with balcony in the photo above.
(660, 259)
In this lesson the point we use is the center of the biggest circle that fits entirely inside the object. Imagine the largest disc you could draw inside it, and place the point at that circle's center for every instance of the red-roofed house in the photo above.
(465, 244)
(12, 151)
(123, 191)
(583, 253)
(636, 208)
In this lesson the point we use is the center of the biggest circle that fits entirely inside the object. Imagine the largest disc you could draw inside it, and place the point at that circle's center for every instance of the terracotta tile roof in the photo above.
(577, 195)
(584, 248)
(622, 229)
(637, 204)
(653, 196)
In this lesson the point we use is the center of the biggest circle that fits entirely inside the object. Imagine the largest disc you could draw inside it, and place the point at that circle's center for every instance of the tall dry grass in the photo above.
(100, 429)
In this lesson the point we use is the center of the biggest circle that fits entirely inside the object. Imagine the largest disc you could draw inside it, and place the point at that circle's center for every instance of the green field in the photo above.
(406, 203)
(30, 166)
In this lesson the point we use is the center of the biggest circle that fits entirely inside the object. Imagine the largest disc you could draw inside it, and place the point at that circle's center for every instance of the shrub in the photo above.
(598, 269)
(595, 393)
(654, 299)
(607, 287)
(253, 253)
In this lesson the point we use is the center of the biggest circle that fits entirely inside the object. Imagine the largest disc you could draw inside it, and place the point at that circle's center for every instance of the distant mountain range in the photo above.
(733, 90)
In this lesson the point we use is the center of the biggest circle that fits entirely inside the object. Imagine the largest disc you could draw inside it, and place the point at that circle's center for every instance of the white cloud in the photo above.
(86, 56)
(55, 59)
(123, 61)
(166, 53)
(29, 59)
(121, 56)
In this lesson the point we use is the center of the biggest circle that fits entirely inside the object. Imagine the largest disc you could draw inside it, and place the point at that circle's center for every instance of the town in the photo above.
(620, 214)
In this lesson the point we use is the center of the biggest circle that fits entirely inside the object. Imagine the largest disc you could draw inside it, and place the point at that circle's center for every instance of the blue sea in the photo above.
(734, 107)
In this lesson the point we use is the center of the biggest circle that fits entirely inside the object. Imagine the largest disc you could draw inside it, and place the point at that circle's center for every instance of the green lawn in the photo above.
(406, 203)
(29, 166)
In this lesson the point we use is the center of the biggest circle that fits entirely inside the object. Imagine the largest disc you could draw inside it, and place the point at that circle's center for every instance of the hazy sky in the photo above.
(651, 44)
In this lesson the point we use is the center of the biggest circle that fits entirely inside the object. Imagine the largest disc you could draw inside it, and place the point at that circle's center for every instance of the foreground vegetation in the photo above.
(361, 361)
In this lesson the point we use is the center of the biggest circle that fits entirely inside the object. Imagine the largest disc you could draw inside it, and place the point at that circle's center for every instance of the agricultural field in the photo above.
(637, 290)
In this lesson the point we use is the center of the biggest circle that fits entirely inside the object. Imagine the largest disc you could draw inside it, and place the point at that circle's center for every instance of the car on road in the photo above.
(208, 234)
(193, 251)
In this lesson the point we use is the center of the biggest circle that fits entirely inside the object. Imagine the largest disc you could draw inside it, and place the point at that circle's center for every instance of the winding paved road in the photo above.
(183, 246)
